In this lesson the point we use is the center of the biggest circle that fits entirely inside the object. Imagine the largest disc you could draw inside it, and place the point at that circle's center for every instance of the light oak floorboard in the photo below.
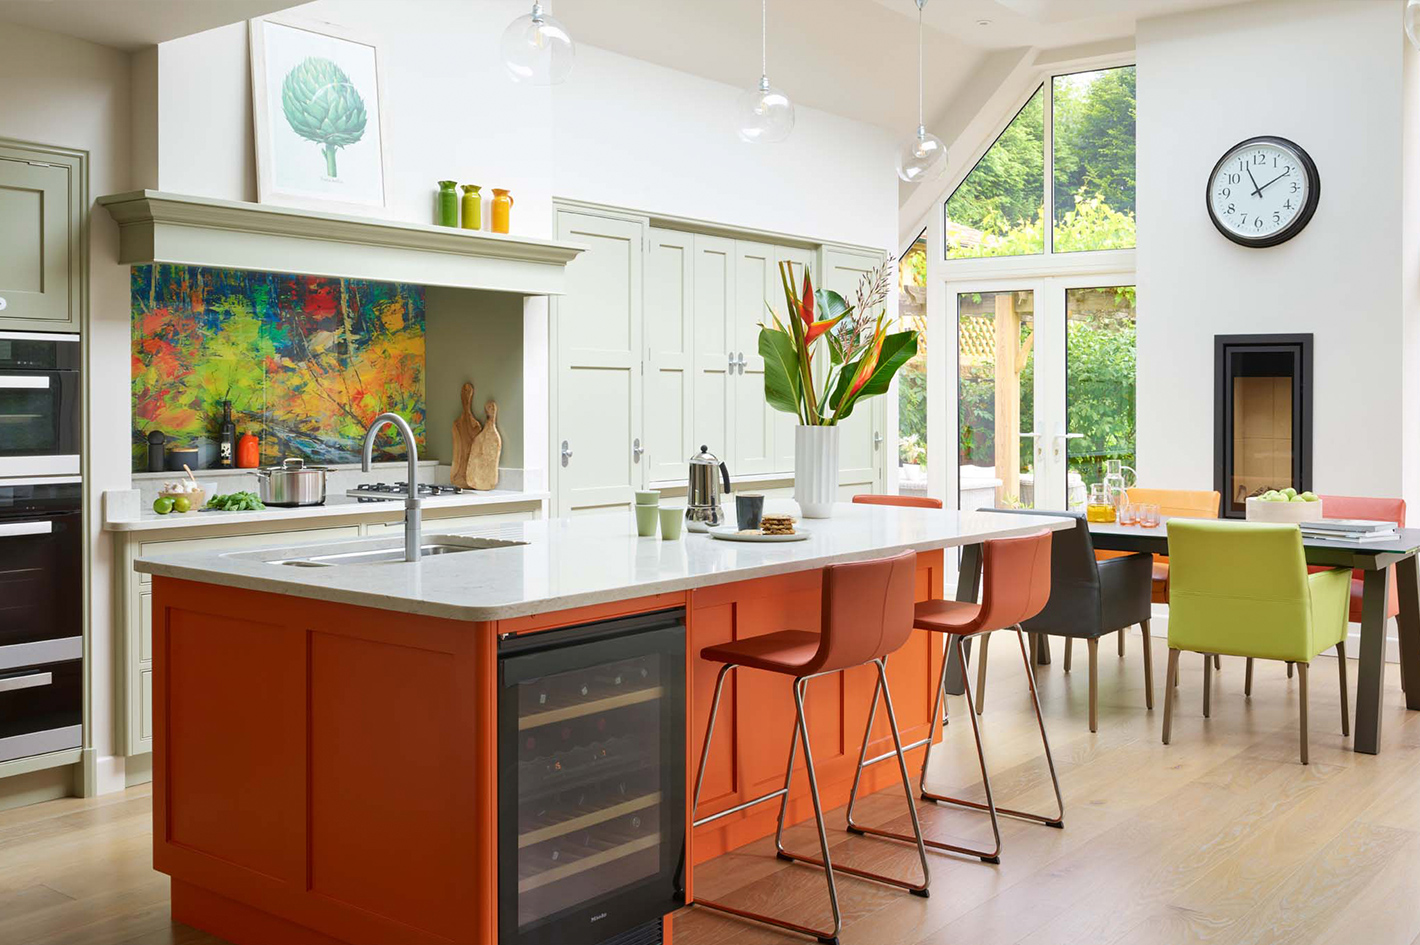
(1221, 837)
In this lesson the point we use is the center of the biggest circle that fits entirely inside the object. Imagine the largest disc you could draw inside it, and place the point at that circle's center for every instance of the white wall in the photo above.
(619, 131)
(1328, 76)
(74, 94)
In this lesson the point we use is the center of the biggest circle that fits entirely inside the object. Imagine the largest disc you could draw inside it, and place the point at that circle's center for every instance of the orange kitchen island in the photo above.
(326, 743)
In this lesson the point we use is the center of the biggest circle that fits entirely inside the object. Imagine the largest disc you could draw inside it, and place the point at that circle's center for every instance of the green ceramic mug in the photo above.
(646, 516)
(672, 521)
(648, 497)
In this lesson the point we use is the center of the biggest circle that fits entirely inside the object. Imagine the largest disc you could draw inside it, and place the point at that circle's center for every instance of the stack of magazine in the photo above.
(1349, 530)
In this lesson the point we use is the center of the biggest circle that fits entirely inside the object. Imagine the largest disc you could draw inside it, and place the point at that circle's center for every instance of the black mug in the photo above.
(749, 508)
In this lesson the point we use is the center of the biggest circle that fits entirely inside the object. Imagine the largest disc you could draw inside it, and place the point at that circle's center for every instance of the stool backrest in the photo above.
(1015, 579)
(1178, 503)
(907, 501)
(867, 611)
(1375, 510)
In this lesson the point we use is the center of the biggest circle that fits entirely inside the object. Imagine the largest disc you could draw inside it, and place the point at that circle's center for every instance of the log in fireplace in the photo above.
(1262, 416)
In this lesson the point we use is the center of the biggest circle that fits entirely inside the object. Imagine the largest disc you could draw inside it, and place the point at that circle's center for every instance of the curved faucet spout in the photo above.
(412, 503)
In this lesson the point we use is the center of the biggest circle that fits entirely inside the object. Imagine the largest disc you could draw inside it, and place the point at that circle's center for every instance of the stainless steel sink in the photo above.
(438, 546)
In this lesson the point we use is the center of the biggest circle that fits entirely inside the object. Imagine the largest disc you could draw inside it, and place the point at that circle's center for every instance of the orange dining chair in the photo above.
(1015, 587)
(907, 501)
(866, 616)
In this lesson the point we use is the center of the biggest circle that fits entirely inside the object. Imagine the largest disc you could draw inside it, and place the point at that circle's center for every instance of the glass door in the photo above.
(1045, 388)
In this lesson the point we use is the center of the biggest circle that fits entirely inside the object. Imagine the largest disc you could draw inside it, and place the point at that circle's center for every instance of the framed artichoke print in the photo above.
(319, 114)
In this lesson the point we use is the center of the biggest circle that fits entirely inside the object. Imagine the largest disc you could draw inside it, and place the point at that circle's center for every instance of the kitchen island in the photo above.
(328, 738)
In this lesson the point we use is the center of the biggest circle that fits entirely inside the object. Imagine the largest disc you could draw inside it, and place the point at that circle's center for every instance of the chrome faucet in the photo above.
(412, 502)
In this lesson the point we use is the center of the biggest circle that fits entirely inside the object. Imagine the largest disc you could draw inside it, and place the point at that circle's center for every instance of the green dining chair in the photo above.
(1242, 589)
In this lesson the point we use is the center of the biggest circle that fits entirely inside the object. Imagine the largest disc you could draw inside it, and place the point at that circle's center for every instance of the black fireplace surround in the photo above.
(1265, 443)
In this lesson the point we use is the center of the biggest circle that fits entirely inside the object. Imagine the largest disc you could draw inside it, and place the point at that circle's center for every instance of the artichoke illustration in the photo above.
(323, 105)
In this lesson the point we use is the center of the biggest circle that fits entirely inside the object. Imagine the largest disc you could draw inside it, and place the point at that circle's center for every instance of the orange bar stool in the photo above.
(867, 614)
(907, 501)
(1015, 587)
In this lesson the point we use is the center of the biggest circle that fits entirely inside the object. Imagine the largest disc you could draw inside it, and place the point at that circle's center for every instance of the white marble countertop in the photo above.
(589, 559)
(123, 511)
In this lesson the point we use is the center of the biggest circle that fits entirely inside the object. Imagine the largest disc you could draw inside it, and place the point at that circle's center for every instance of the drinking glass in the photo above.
(1149, 515)
(1128, 514)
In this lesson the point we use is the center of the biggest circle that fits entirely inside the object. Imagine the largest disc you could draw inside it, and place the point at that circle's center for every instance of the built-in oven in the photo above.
(591, 790)
(39, 404)
(41, 617)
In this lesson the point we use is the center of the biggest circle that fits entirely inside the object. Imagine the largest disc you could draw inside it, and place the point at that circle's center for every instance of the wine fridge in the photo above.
(591, 790)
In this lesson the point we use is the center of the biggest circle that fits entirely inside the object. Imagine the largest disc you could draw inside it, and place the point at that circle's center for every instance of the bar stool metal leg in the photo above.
(917, 889)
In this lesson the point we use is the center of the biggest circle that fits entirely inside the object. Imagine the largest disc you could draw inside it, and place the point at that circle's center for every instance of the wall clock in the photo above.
(1263, 191)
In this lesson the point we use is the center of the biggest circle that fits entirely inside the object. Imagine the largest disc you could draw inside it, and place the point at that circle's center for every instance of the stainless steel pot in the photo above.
(291, 483)
(702, 508)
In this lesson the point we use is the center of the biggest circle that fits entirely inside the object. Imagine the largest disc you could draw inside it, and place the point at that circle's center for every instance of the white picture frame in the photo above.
(298, 148)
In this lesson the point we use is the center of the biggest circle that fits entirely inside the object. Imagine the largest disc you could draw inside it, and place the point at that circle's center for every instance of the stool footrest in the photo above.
(739, 807)
(893, 754)
(1004, 811)
(766, 919)
(855, 871)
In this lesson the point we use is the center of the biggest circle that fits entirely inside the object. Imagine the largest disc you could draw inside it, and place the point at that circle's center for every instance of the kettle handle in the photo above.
(725, 471)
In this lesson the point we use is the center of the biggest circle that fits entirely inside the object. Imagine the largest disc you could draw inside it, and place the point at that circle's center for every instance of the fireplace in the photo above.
(1262, 416)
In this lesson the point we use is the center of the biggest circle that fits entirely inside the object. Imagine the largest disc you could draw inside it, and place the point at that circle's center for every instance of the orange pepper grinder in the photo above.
(248, 452)
(502, 209)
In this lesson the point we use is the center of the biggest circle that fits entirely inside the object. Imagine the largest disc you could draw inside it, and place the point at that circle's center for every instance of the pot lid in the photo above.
(294, 464)
(705, 458)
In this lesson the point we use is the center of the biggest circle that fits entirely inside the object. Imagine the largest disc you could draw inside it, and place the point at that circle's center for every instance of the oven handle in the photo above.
(24, 382)
(16, 529)
(28, 681)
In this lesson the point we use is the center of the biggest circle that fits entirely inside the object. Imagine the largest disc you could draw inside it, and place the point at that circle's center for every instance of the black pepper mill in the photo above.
(157, 461)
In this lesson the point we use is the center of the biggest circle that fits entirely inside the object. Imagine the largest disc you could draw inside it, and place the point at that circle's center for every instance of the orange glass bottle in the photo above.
(248, 452)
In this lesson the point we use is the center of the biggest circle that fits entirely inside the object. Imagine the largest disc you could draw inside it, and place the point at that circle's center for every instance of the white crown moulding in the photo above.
(159, 227)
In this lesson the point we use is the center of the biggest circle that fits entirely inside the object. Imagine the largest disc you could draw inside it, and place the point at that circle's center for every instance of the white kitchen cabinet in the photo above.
(860, 454)
(43, 206)
(596, 332)
(713, 354)
(670, 341)
(752, 451)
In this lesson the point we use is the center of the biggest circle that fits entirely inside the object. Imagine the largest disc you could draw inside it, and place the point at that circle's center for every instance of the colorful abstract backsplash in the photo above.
(307, 362)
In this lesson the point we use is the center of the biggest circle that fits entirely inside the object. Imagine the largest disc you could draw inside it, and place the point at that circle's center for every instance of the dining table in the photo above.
(1374, 559)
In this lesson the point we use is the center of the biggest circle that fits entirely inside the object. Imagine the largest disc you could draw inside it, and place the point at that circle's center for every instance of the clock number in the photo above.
(1257, 223)
(1259, 159)
(1225, 193)
(1232, 208)
(1295, 187)
(1234, 178)
(1276, 217)
(1287, 205)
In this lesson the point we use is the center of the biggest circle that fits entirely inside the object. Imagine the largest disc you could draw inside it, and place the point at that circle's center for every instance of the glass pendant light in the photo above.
(765, 113)
(922, 156)
(537, 49)
(1412, 22)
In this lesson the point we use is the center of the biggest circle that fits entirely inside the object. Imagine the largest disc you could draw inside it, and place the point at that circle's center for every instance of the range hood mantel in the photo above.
(158, 227)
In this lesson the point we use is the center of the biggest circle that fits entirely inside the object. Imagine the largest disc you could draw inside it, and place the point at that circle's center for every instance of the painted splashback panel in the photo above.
(306, 361)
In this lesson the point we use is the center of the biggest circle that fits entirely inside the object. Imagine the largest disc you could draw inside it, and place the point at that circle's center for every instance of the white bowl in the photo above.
(1286, 512)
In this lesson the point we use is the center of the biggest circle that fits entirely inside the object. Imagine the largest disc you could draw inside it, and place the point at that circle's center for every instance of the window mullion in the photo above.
(1048, 127)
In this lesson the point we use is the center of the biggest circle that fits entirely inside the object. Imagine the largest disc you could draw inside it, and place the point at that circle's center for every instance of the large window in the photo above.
(1099, 383)
(997, 209)
(912, 380)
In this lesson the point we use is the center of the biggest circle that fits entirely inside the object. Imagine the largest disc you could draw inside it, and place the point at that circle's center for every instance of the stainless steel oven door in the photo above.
(41, 708)
(39, 405)
(41, 574)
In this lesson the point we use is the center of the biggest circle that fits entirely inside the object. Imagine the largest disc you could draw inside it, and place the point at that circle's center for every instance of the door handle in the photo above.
(24, 381)
(28, 681)
(15, 529)
(731, 368)
(877, 440)
(636, 450)
(566, 453)
(1064, 439)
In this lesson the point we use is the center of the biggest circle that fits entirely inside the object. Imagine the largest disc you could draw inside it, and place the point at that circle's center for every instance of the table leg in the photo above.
(1407, 573)
(968, 587)
(1042, 649)
(1370, 677)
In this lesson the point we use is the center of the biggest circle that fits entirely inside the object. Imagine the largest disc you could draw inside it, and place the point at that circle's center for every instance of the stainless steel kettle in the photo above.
(702, 510)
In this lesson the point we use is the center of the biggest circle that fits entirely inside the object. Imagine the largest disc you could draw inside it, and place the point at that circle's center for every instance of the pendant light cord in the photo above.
(764, 39)
(920, 123)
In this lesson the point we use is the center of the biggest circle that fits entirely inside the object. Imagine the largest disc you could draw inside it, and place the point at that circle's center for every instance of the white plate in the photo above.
(731, 533)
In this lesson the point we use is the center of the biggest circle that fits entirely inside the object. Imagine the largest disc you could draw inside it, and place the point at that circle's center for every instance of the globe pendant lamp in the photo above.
(1412, 22)
(922, 156)
(765, 114)
(537, 49)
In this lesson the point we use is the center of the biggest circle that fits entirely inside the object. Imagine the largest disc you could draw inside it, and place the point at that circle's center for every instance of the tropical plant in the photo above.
(322, 105)
(863, 355)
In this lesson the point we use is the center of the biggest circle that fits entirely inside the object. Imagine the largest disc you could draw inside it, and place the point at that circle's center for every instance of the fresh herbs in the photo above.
(236, 502)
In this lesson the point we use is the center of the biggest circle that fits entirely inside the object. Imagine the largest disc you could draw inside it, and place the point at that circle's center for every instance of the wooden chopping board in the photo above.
(487, 449)
(466, 430)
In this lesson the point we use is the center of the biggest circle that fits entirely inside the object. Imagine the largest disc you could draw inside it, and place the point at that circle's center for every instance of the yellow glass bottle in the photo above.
(502, 210)
(1099, 508)
(472, 216)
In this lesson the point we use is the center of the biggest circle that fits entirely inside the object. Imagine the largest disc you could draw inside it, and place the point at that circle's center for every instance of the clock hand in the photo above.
(1272, 181)
(1257, 191)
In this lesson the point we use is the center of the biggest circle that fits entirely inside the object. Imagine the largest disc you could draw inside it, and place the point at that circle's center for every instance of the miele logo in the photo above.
(598, 917)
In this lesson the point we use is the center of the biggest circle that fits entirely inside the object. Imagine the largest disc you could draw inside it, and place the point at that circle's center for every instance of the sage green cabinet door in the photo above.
(40, 250)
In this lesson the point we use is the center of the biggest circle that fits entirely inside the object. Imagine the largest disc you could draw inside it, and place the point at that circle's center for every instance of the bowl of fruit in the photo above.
(182, 495)
(1284, 505)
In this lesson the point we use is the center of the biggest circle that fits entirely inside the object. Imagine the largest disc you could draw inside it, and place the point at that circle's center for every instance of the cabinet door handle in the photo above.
(28, 681)
(15, 529)
(877, 440)
(566, 453)
(742, 362)
(636, 450)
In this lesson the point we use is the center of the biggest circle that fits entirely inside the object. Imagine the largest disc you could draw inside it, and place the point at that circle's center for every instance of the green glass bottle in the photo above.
(448, 203)
(472, 218)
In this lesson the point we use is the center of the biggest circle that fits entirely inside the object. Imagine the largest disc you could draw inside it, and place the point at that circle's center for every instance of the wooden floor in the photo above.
(1222, 837)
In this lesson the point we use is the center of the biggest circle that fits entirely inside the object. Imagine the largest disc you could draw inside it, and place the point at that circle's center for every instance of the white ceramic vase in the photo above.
(815, 470)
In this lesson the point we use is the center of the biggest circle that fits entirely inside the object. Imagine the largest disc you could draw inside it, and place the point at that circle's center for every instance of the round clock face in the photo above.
(1263, 191)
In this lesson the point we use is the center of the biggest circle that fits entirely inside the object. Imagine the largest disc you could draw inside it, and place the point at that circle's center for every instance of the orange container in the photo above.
(502, 210)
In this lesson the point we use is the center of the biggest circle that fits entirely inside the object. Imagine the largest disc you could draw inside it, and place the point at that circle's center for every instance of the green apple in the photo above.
(1273, 496)
(1289, 492)
(1311, 497)
(1296, 498)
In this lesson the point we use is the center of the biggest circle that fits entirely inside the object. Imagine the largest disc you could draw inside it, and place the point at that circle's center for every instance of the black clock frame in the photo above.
(1303, 216)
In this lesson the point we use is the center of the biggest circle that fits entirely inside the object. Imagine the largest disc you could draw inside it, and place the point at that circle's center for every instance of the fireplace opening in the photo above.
(1262, 416)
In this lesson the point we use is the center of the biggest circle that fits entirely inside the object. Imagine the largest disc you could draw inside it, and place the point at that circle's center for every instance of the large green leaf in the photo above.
(830, 305)
(898, 349)
(781, 371)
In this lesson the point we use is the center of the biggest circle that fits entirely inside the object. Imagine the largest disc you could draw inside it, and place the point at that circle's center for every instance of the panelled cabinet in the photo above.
(641, 380)
(43, 206)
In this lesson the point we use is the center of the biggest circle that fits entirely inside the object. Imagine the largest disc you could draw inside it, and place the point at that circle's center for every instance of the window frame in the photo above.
(1048, 262)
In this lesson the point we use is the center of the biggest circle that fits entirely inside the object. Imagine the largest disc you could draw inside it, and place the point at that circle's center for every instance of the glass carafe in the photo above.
(1100, 507)
(1114, 482)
